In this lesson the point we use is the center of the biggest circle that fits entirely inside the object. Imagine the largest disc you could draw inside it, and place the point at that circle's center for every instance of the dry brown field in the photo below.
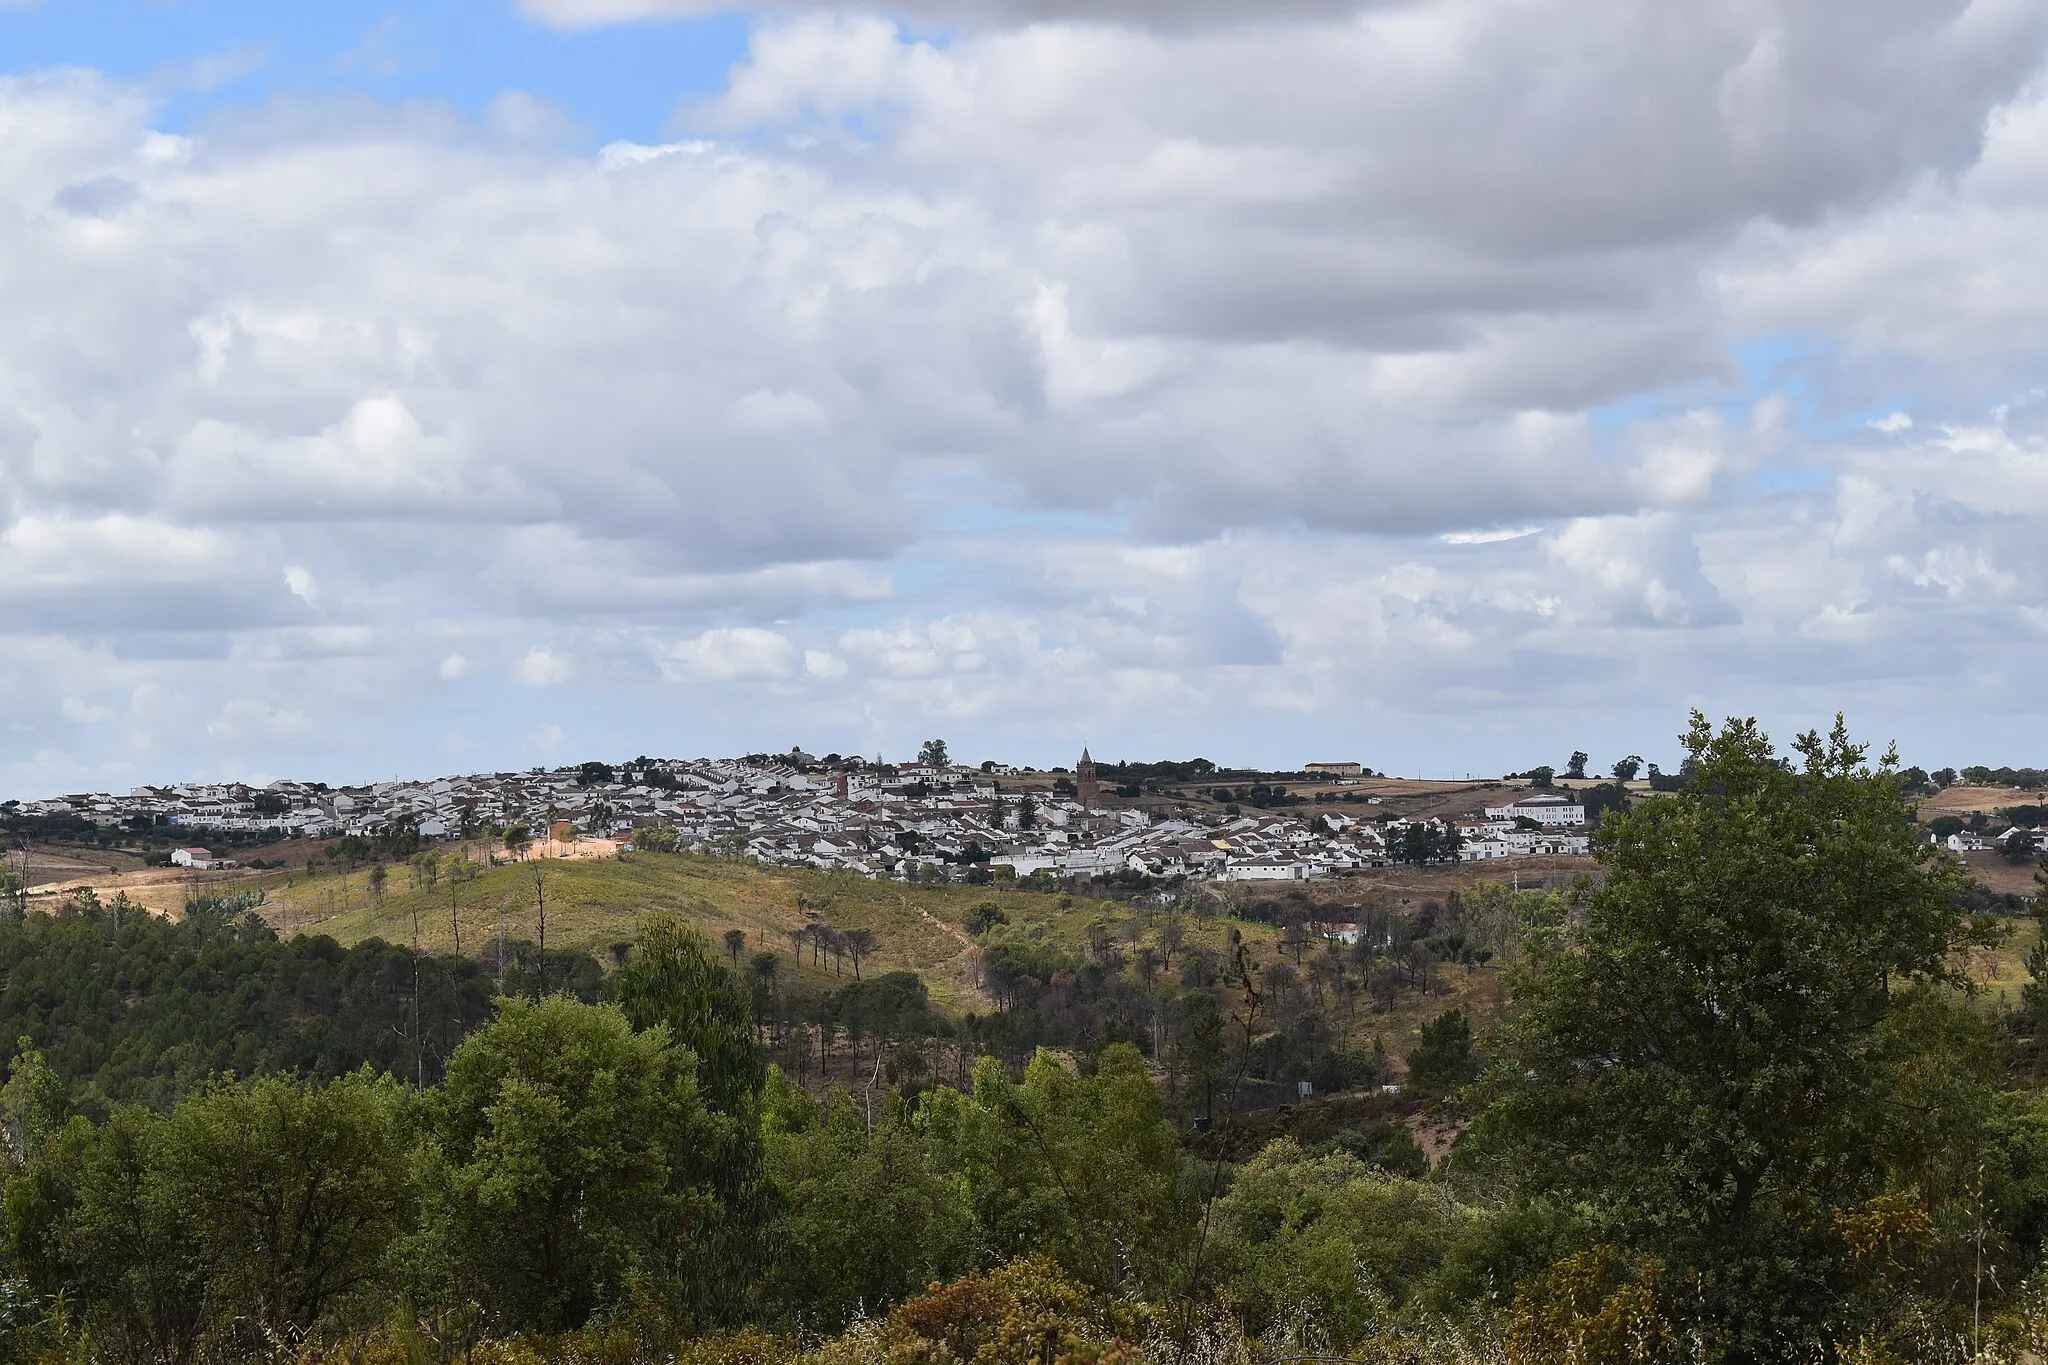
(1967, 801)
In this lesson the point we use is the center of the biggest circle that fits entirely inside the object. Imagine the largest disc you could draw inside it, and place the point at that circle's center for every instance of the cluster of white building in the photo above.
(1543, 822)
(1971, 841)
(902, 822)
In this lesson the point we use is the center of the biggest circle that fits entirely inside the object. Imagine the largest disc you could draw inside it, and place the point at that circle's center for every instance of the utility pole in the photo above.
(419, 1061)
(540, 895)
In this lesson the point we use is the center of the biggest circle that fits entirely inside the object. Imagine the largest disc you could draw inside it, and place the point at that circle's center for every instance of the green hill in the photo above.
(593, 904)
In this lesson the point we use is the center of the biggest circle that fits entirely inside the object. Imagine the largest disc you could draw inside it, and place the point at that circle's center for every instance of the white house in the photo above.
(1269, 869)
(1024, 864)
(1545, 808)
(191, 857)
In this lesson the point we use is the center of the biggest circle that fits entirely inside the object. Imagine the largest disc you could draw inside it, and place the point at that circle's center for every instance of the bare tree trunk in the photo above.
(419, 1061)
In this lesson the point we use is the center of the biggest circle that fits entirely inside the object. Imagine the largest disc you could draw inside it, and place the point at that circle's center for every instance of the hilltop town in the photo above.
(927, 820)
(936, 820)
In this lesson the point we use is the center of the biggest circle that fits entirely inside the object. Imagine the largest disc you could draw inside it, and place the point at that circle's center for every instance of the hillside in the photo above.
(594, 904)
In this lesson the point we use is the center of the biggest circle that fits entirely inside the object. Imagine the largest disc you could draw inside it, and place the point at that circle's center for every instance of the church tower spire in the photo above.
(1085, 788)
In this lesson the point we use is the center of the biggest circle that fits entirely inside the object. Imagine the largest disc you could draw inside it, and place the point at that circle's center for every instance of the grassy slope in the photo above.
(598, 902)
(595, 903)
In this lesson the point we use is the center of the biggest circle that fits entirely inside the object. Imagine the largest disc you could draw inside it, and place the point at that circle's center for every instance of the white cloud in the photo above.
(730, 654)
(542, 667)
(247, 720)
(58, 551)
(579, 14)
(1186, 371)
(84, 713)
(766, 410)
(1490, 537)
(821, 663)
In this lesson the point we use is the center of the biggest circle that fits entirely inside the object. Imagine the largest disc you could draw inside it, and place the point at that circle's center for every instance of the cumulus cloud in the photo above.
(730, 654)
(580, 14)
(1173, 365)
(540, 667)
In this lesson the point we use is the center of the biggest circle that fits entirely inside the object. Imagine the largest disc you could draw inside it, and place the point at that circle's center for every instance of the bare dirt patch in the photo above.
(161, 890)
(1436, 1133)
(2001, 876)
(40, 863)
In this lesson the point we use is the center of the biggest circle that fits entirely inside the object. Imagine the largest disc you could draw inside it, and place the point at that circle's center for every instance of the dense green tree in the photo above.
(246, 1219)
(865, 1217)
(33, 1104)
(1443, 1058)
(1329, 1239)
(560, 1130)
(92, 1218)
(135, 1008)
(1706, 1061)
(1084, 1169)
(983, 918)
(295, 1193)
(674, 982)
(1602, 798)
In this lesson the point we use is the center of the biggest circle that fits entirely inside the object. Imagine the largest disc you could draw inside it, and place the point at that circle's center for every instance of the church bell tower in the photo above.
(1085, 789)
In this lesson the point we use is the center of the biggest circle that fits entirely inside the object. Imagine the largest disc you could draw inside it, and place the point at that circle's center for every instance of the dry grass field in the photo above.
(163, 890)
(1965, 801)
(596, 903)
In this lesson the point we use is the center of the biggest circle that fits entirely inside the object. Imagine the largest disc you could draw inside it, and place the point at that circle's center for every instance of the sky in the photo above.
(1445, 385)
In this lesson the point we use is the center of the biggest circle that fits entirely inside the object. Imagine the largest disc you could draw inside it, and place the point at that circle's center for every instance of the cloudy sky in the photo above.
(1442, 384)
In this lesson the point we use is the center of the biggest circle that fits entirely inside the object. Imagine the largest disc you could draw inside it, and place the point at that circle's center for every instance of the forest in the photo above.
(1743, 1101)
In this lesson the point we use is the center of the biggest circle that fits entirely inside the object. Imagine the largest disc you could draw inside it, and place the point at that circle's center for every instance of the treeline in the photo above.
(629, 1166)
(575, 1160)
(2032, 779)
(126, 1006)
(1917, 780)
(141, 833)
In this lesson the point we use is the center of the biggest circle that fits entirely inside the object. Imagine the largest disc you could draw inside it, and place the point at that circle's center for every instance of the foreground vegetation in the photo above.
(1743, 1103)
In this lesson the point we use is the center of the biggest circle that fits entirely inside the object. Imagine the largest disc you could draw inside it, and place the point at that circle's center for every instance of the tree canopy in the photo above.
(1710, 1059)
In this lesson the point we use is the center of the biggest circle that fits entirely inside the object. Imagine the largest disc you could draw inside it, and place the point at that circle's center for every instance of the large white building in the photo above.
(1545, 808)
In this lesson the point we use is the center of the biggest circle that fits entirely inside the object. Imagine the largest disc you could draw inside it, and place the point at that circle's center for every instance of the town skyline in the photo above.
(1597, 768)
(933, 818)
